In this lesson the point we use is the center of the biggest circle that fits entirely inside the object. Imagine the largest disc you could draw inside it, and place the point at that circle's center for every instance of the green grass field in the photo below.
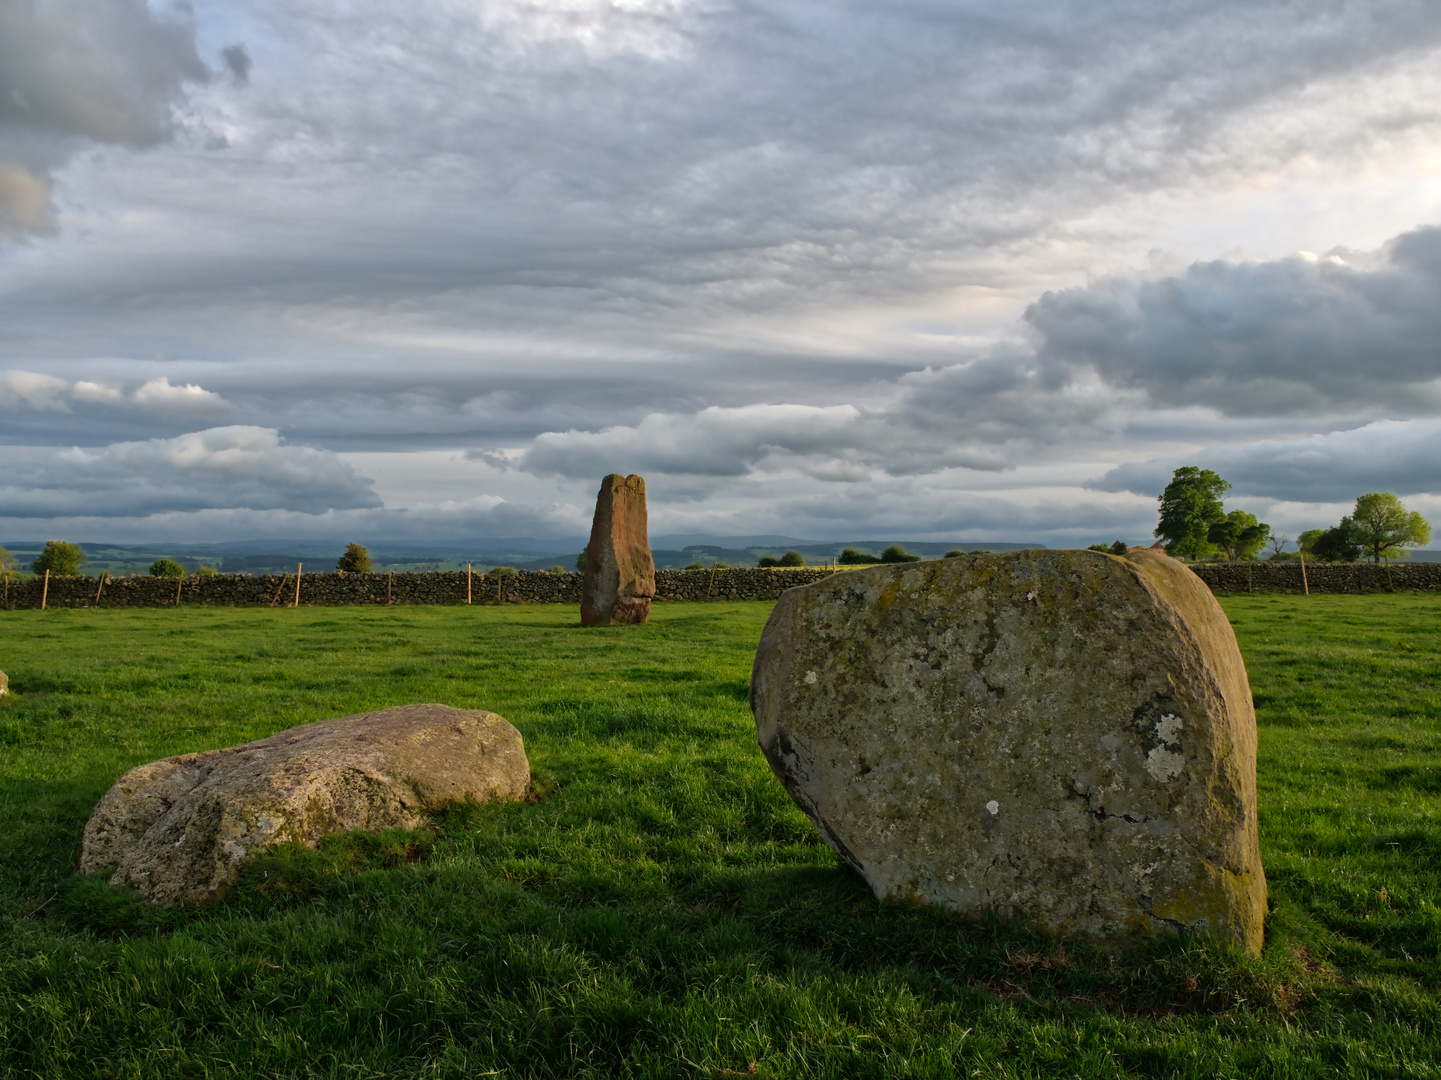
(664, 910)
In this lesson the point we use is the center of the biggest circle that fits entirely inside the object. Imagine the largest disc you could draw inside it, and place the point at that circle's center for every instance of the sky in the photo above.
(934, 270)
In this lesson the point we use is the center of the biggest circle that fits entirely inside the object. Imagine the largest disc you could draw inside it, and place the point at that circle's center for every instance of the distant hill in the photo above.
(671, 550)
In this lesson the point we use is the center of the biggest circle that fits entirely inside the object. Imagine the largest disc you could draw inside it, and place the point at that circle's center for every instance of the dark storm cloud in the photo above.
(1302, 335)
(101, 70)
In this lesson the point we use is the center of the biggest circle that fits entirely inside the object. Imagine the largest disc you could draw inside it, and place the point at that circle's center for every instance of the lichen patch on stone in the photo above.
(1163, 765)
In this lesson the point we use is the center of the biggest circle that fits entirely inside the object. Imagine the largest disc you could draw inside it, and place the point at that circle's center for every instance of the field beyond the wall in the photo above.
(660, 908)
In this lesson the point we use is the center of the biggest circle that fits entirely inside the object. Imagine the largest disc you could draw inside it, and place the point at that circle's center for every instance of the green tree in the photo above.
(580, 559)
(792, 558)
(897, 554)
(356, 560)
(1306, 542)
(1239, 534)
(166, 568)
(60, 558)
(768, 560)
(1385, 528)
(954, 553)
(9, 566)
(1190, 505)
(852, 557)
(1340, 543)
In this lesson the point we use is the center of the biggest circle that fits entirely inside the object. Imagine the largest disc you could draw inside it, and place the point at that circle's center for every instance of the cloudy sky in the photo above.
(926, 269)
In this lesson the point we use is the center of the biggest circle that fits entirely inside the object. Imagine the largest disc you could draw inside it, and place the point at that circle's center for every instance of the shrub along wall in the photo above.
(736, 583)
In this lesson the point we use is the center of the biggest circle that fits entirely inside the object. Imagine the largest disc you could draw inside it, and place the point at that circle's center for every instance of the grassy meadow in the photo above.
(660, 908)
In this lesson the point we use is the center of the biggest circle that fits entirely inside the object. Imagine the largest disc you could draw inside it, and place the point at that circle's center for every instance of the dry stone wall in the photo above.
(445, 587)
(523, 587)
(1266, 577)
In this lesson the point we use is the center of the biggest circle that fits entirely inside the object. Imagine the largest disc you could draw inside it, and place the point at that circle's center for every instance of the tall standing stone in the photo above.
(1061, 737)
(619, 571)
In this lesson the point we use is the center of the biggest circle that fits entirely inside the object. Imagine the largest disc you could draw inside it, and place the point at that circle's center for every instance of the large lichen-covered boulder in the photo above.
(619, 570)
(178, 830)
(1061, 737)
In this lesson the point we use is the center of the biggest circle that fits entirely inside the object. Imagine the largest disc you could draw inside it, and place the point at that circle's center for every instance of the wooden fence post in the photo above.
(1304, 585)
(99, 587)
(179, 584)
(45, 591)
(389, 578)
(283, 579)
(467, 583)
(298, 568)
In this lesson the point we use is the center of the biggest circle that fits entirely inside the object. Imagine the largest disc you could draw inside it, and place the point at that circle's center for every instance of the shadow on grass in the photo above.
(828, 918)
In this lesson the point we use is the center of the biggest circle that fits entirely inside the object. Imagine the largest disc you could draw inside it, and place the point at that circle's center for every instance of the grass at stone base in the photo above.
(664, 910)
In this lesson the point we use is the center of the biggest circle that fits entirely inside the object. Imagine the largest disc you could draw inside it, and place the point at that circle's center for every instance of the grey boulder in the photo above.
(1061, 737)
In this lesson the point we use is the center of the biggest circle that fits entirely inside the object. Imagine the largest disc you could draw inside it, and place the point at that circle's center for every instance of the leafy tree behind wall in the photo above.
(60, 558)
(166, 568)
(356, 560)
(1385, 528)
(1340, 543)
(1239, 534)
(9, 566)
(1190, 505)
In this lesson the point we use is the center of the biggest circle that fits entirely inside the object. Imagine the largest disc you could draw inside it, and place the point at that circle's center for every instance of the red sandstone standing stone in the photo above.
(619, 570)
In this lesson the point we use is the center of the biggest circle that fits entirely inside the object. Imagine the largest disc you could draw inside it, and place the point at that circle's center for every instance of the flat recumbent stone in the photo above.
(1061, 737)
(179, 829)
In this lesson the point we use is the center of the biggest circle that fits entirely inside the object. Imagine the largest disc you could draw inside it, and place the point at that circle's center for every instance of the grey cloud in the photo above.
(464, 520)
(991, 413)
(1301, 335)
(181, 403)
(674, 160)
(219, 468)
(1399, 456)
(237, 61)
(103, 70)
(712, 442)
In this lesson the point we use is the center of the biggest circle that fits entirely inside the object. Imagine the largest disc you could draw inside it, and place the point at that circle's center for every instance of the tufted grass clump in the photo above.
(657, 906)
